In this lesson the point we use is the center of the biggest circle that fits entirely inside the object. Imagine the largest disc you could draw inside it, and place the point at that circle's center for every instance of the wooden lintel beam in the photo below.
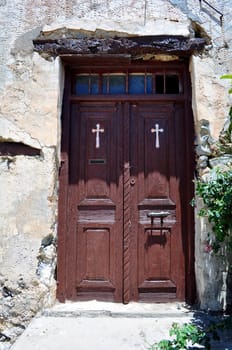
(176, 45)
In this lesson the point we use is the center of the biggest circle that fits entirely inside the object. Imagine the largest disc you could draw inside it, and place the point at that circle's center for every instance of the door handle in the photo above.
(158, 214)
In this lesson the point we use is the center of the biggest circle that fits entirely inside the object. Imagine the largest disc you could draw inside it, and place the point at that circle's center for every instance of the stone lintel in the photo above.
(174, 45)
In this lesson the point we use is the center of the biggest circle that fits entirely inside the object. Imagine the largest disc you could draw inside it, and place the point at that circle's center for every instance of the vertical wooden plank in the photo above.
(63, 193)
(118, 188)
(134, 195)
(71, 227)
(126, 206)
(179, 189)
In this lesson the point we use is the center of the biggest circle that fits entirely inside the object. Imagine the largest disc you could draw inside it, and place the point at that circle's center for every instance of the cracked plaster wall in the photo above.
(30, 108)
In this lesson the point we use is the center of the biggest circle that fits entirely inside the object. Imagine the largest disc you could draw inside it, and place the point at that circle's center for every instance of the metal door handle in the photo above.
(158, 214)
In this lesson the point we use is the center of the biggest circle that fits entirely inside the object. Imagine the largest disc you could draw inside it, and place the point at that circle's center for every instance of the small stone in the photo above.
(204, 127)
(48, 240)
(202, 162)
(7, 292)
(21, 283)
(221, 161)
(4, 337)
(203, 150)
(203, 158)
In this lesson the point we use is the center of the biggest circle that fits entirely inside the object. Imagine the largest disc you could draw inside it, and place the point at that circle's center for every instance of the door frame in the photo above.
(63, 259)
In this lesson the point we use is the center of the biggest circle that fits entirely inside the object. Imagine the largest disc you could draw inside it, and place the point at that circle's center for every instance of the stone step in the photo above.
(104, 326)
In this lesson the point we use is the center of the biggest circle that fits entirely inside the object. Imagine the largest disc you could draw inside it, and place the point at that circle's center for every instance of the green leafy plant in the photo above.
(216, 194)
(226, 138)
(181, 337)
(227, 76)
(190, 334)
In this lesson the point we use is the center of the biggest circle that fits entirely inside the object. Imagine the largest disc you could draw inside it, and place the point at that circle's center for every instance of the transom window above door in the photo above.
(136, 83)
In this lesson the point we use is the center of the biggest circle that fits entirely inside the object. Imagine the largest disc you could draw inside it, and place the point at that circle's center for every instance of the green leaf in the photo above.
(226, 76)
(217, 199)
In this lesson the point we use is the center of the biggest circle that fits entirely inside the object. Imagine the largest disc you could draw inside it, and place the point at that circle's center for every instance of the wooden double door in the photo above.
(126, 236)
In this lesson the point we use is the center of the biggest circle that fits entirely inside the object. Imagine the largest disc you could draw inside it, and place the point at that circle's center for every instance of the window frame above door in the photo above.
(125, 81)
(104, 67)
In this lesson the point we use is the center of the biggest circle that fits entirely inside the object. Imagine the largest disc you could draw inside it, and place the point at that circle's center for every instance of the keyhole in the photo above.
(132, 182)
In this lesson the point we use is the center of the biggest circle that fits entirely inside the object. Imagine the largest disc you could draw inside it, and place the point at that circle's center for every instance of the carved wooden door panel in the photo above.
(156, 185)
(95, 204)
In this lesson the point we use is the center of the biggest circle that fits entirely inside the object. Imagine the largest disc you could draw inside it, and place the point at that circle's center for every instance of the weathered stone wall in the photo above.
(213, 271)
(30, 109)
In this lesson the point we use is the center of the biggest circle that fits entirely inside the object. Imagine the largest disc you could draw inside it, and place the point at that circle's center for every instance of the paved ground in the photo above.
(105, 326)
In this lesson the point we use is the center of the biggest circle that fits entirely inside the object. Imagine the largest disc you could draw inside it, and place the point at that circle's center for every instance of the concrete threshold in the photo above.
(132, 310)
(104, 326)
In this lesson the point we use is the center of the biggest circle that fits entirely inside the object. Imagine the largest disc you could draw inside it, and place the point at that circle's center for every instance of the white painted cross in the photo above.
(97, 131)
(157, 131)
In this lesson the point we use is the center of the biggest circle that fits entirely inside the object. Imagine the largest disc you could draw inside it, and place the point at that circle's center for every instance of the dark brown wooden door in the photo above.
(96, 200)
(125, 236)
(156, 159)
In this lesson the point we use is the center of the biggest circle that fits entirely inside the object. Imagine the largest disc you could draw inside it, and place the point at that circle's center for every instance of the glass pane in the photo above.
(149, 83)
(117, 84)
(105, 84)
(136, 84)
(159, 84)
(172, 84)
(114, 84)
(82, 85)
(94, 84)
